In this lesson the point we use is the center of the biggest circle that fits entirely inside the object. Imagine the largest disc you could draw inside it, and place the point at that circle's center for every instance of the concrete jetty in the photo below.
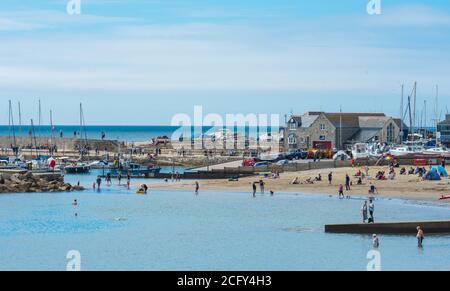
(429, 227)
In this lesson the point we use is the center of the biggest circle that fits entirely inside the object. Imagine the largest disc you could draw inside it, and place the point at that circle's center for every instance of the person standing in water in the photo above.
(371, 209)
(420, 236)
(375, 241)
(99, 182)
(254, 189)
(197, 187)
(341, 191)
(119, 177)
(261, 186)
(364, 211)
(128, 181)
(108, 179)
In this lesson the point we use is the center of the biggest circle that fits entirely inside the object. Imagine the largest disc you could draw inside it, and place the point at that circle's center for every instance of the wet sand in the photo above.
(403, 186)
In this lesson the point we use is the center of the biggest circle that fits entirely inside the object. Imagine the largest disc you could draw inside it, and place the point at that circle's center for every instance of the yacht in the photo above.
(401, 151)
(360, 151)
(436, 151)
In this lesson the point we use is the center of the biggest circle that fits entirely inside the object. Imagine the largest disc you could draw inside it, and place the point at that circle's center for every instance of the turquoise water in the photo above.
(176, 230)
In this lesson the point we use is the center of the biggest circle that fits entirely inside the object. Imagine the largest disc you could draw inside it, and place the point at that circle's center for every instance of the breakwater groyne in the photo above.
(20, 181)
(429, 227)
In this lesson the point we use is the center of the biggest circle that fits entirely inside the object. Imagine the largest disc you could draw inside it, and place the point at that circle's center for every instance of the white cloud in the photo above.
(44, 19)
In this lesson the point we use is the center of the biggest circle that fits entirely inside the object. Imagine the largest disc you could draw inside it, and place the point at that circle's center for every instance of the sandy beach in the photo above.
(403, 186)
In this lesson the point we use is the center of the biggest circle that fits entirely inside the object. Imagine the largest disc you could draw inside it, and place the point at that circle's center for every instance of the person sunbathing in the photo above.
(309, 181)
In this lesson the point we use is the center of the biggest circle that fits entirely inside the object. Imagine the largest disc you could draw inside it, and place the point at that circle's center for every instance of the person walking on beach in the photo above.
(375, 241)
(197, 187)
(371, 210)
(330, 178)
(341, 191)
(254, 189)
(420, 236)
(364, 211)
(347, 182)
(261, 186)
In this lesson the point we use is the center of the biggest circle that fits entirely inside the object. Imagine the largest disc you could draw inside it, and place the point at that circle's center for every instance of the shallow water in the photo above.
(176, 230)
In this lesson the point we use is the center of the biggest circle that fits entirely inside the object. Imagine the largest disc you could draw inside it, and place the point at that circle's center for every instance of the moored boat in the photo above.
(79, 168)
(134, 170)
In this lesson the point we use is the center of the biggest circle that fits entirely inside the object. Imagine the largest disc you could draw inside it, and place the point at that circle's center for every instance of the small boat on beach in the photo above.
(360, 151)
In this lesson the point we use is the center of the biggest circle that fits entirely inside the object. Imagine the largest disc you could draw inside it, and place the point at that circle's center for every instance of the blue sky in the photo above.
(141, 62)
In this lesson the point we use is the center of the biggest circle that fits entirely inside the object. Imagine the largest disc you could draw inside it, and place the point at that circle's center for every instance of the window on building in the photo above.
(292, 139)
(390, 133)
(322, 137)
(293, 125)
(322, 126)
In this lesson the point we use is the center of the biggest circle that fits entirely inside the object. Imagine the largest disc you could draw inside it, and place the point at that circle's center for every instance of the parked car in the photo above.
(282, 162)
(248, 162)
(262, 164)
(296, 155)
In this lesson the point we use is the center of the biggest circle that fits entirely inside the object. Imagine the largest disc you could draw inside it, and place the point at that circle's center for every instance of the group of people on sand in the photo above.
(308, 181)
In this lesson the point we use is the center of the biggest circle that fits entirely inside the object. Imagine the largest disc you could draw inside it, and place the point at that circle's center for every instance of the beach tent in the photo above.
(432, 175)
(440, 170)
(341, 156)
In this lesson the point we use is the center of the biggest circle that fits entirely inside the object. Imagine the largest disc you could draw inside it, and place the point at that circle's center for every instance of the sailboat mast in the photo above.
(20, 118)
(33, 138)
(51, 128)
(11, 125)
(436, 112)
(414, 106)
(401, 116)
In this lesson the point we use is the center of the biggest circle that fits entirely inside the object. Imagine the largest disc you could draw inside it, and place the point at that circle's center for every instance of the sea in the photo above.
(114, 132)
(115, 229)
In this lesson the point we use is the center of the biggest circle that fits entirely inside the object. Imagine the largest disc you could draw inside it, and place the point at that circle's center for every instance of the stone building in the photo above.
(443, 130)
(328, 131)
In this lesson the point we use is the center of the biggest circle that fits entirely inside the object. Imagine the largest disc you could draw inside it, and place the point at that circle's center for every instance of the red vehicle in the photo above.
(248, 162)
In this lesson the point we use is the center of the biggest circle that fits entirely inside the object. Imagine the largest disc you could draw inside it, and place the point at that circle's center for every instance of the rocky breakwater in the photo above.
(34, 183)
